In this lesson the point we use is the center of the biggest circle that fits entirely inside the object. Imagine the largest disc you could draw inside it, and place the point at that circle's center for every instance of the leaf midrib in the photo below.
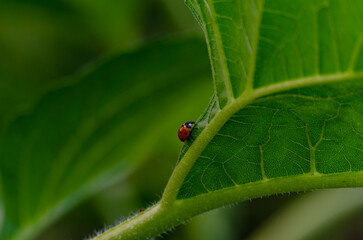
(251, 72)
(217, 36)
(182, 169)
(220, 49)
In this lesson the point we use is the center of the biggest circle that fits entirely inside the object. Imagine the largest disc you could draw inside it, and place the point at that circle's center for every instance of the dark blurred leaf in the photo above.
(116, 23)
(43, 40)
(98, 128)
(311, 214)
(181, 15)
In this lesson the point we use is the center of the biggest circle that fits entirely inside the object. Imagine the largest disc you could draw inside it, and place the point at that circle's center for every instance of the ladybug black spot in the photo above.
(179, 131)
(185, 133)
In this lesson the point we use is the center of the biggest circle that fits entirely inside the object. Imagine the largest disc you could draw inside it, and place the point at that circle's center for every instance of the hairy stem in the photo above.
(160, 218)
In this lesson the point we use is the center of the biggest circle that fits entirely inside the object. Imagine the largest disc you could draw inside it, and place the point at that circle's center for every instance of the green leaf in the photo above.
(287, 114)
(96, 129)
(310, 131)
(282, 127)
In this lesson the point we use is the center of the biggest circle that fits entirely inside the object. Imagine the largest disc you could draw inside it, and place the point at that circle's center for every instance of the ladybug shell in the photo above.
(183, 133)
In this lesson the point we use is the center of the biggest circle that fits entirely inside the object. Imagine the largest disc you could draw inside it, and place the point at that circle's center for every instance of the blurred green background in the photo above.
(43, 42)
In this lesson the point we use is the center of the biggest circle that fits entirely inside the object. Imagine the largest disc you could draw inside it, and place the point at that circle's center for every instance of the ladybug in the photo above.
(184, 130)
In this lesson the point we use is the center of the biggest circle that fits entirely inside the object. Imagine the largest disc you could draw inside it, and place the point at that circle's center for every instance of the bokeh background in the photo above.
(43, 42)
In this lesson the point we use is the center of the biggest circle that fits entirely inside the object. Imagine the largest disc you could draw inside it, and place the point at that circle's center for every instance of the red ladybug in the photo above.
(184, 130)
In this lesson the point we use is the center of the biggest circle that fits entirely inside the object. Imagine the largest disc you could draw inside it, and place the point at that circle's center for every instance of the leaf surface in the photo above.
(297, 111)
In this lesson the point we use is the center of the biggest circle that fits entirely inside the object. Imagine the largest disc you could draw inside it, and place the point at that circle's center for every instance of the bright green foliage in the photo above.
(309, 130)
(306, 131)
(231, 29)
(263, 42)
(98, 127)
(307, 38)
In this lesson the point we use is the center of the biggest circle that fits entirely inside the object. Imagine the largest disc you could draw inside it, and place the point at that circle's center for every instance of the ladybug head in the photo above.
(189, 124)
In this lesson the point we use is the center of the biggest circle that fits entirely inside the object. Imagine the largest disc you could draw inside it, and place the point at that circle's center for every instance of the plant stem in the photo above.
(160, 218)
